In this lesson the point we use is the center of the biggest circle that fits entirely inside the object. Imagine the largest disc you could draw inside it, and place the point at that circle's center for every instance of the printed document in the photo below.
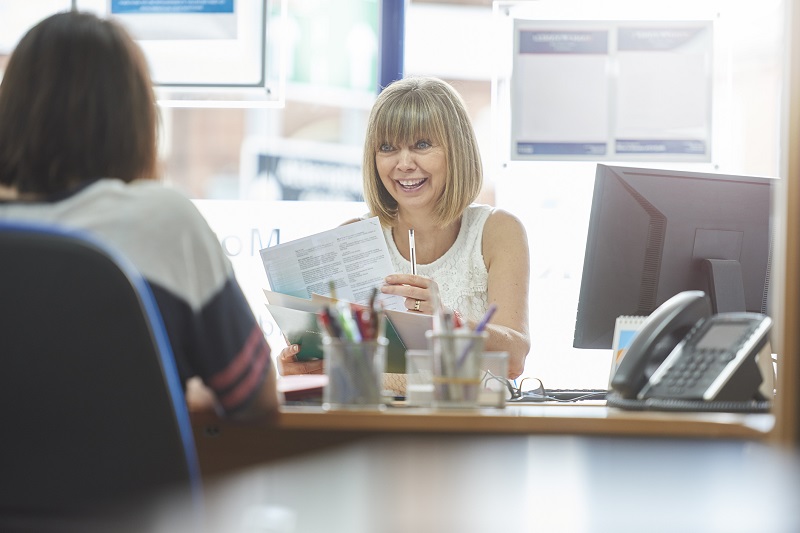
(353, 258)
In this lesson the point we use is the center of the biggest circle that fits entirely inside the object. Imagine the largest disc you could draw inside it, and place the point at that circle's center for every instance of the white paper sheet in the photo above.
(354, 257)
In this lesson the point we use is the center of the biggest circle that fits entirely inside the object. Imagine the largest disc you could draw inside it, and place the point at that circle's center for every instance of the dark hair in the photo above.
(76, 104)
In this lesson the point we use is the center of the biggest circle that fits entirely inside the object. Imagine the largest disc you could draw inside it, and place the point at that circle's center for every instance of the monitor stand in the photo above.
(726, 285)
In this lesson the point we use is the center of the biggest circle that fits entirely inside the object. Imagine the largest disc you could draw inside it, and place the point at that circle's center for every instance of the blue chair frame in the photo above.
(94, 417)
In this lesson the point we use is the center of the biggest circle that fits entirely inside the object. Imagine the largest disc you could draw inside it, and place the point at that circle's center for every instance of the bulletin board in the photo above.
(611, 90)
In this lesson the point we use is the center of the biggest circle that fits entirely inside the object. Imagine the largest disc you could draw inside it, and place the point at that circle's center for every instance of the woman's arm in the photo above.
(505, 251)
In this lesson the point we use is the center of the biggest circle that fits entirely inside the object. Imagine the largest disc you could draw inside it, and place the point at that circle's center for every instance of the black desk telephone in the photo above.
(686, 355)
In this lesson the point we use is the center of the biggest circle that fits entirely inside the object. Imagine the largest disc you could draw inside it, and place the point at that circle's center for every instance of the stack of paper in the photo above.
(297, 320)
(353, 259)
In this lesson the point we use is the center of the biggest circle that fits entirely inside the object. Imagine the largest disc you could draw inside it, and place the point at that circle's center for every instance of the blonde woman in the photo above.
(422, 170)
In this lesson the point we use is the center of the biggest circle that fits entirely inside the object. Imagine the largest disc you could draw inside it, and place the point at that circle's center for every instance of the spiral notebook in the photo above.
(625, 329)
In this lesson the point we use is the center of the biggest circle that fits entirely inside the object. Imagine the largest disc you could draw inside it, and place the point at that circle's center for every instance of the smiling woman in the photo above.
(423, 171)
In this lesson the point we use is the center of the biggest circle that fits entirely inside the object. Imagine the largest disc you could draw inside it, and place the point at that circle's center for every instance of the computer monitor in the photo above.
(655, 233)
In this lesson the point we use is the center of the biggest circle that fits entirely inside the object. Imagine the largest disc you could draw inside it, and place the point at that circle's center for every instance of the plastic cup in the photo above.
(354, 374)
(456, 368)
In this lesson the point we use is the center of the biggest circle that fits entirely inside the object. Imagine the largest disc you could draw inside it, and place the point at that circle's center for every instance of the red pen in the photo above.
(364, 321)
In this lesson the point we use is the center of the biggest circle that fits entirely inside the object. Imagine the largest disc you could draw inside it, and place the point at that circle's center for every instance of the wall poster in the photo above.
(622, 90)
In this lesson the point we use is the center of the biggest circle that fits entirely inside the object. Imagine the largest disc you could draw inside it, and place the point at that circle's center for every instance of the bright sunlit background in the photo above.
(295, 170)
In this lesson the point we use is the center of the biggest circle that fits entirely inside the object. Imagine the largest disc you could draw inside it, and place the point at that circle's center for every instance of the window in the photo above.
(260, 174)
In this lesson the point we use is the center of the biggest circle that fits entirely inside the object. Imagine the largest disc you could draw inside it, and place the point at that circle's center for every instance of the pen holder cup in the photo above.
(419, 379)
(456, 368)
(354, 371)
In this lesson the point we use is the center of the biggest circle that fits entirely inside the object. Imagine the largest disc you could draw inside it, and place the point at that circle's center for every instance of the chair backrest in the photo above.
(91, 408)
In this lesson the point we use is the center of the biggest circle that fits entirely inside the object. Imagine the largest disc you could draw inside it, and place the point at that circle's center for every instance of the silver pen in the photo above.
(412, 251)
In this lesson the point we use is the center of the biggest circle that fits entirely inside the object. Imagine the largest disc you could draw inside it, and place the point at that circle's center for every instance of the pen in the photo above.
(373, 311)
(328, 320)
(412, 251)
(449, 356)
(485, 320)
(347, 323)
(364, 322)
(332, 289)
(381, 320)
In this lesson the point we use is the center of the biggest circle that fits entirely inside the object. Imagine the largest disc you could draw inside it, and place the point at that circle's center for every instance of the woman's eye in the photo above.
(385, 148)
(422, 145)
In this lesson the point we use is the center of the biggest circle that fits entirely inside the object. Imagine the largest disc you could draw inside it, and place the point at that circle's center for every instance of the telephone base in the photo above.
(614, 399)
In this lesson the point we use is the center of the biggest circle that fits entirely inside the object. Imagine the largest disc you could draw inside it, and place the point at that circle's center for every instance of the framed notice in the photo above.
(621, 90)
(207, 53)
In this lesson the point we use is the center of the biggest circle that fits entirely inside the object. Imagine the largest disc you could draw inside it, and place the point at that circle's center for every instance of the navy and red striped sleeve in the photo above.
(221, 343)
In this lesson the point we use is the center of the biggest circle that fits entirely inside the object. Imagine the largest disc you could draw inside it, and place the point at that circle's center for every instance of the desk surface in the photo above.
(577, 418)
(223, 445)
(522, 483)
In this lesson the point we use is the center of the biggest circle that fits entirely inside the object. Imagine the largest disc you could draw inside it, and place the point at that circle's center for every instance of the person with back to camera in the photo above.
(422, 170)
(78, 148)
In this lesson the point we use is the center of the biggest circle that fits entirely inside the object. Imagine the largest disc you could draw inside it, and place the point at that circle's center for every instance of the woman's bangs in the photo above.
(406, 122)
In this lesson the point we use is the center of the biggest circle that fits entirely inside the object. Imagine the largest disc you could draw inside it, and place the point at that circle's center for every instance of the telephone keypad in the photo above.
(712, 352)
(693, 373)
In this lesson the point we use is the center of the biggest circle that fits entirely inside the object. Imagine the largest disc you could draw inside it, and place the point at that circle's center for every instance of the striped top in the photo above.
(211, 327)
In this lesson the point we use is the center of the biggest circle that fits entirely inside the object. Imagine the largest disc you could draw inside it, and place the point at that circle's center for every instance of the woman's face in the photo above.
(414, 174)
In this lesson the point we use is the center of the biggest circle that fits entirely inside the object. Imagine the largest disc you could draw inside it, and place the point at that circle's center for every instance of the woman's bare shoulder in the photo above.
(504, 235)
(501, 221)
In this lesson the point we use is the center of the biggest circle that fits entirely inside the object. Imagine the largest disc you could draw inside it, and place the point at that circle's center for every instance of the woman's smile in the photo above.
(411, 185)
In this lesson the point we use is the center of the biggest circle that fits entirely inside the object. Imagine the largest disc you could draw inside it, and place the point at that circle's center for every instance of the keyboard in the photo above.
(563, 395)
(576, 394)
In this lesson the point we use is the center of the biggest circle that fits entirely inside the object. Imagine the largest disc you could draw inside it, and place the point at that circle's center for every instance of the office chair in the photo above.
(94, 428)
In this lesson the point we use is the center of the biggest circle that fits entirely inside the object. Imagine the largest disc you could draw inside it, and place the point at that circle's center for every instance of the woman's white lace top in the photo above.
(461, 272)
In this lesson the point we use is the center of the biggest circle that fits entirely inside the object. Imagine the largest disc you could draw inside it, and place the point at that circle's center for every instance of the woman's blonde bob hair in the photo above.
(423, 108)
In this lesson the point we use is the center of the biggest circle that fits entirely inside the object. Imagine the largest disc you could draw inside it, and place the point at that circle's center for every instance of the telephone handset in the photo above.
(656, 338)
(684, 352)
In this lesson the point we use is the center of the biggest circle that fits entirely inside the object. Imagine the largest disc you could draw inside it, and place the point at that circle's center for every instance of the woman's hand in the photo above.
(421, 294)
(288, 363)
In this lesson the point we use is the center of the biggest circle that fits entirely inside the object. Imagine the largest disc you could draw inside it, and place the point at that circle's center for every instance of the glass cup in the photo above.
(419, 378)
(354, 371)
(494, 372)
(456, 368)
